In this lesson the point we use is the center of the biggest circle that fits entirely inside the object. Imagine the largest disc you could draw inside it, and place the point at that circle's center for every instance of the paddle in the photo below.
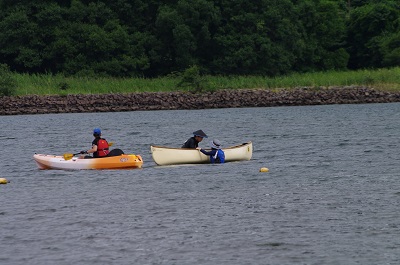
(68, 156)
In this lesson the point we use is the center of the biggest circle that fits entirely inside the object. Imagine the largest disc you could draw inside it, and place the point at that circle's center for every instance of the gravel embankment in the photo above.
(180, 100)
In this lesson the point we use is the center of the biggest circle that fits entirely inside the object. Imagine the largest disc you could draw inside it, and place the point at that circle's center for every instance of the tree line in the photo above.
(149, 38)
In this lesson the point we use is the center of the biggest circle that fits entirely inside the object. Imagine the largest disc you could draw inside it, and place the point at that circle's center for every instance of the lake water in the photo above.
(332, 194)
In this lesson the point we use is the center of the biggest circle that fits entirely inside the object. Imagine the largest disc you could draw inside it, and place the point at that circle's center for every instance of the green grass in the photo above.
(382, 79)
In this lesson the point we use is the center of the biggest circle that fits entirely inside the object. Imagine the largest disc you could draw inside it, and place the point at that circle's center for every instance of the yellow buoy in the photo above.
(3, 181)
(264, 169)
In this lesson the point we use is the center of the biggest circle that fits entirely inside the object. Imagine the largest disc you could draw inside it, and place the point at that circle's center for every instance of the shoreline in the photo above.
(234, 98)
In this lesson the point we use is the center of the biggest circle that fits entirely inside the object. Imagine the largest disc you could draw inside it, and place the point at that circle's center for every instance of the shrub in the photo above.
(191, 78)
(8, 84)
(63, 86)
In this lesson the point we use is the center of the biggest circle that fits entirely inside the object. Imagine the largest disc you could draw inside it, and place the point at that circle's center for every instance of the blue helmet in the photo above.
(97, 131)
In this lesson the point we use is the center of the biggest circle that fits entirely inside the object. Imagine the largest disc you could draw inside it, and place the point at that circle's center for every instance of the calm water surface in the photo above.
(332, 194)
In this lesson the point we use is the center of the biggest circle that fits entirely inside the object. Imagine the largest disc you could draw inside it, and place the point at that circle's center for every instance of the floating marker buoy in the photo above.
(264, 169)
(3, 181)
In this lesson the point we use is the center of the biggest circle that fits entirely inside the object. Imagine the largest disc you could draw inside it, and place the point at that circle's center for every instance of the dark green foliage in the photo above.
(323, 34)
(372, 32)
(131, 38)
(7, 83)
(390, 48)
(256, 37)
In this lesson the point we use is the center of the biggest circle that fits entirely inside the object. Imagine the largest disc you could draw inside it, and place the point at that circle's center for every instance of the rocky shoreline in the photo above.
(20, 105)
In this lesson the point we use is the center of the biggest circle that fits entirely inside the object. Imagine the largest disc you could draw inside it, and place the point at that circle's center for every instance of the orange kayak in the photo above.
(125, 161)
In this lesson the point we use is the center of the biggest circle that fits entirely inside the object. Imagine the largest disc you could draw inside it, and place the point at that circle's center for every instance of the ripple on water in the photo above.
(330, 197)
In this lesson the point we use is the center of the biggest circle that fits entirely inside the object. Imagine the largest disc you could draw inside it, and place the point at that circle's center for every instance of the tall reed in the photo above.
(47, 84)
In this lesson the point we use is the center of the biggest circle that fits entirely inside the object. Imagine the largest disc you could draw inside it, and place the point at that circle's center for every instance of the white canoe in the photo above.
(173, 156)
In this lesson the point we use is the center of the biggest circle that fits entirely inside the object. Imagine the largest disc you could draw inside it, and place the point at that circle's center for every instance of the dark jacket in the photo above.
(191, 143)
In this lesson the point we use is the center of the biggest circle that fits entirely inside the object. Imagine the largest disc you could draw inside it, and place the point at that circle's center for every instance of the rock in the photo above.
(228, 98)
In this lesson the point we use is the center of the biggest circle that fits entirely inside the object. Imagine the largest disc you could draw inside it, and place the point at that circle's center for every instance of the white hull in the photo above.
(174, 156)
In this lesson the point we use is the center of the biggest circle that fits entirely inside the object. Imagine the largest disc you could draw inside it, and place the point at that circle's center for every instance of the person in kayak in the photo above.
(193, 142)
(100, 146)
(216, 154)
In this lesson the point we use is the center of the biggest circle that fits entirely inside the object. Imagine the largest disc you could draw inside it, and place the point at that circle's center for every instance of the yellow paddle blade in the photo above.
(110, 143)
(68, 156)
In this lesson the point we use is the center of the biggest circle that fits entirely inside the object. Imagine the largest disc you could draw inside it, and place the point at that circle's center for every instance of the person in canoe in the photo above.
(100, 147)
(216, 154)
(193, 142)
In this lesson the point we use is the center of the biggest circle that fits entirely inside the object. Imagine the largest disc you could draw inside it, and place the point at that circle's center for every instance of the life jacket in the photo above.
(219, 157)
(102, 148)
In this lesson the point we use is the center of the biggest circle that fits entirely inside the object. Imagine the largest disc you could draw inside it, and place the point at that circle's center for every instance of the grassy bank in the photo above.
(383, 79)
